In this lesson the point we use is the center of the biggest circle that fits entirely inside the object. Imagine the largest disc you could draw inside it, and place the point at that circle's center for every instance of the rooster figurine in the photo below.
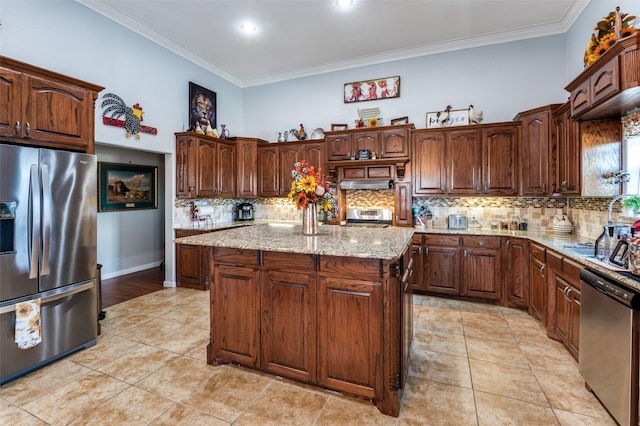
(132, 115)
(475, 117)
(443, 116)
(300, 134)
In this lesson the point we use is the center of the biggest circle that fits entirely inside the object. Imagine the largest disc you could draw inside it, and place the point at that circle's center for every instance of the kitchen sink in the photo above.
(586, 251)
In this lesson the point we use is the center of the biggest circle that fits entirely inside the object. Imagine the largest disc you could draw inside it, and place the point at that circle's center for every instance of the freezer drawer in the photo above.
(69, 323)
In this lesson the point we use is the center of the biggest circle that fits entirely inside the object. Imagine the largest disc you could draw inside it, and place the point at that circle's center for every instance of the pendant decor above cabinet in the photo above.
(115, 107)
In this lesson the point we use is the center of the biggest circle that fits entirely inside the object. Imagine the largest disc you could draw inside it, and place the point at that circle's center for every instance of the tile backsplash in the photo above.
(588, 214)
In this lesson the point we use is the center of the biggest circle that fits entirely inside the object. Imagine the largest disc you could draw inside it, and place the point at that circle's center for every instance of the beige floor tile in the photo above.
(494, 410)
(152, 330)
(117, 325)
(442, 320)
(440, 367)
(294, 407)
(182, 415)
(187, 313)
(480, 308)
(42, 382)
(177, 378)
(183, 339)
(506, 380)
(203, 321)
(438, 302)
(11, 414)
(133, 406)
(497, 351)
(339, 411)
(199, 352)
(440, 342)
(568, 393)
(108, 349)
(138, 363)
(550, 356)
(437, 404)
(227, 393)
(572, 419)
(75, 399)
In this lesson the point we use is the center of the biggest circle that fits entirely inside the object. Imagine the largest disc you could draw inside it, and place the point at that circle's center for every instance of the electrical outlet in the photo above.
(473, 217)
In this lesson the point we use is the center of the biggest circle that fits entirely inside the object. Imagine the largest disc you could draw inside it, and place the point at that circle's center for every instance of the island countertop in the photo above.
(372, 243)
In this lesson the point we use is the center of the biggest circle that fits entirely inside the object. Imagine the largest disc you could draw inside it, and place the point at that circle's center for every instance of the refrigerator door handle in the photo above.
(46, 218)
(78, 288)
(34, 225)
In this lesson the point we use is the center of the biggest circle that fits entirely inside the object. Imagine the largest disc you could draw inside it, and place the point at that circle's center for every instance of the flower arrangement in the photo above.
(309, 185)
(610, 29)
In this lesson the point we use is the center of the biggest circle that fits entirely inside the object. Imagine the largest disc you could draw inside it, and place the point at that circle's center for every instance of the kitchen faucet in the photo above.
(610, 207)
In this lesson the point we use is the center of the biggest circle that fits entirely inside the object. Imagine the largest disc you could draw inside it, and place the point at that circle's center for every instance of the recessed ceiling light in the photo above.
(344, 3)
(248, 28)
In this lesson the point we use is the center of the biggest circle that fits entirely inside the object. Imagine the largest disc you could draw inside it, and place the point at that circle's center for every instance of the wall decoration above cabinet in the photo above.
(368, 90)
(202, 107)
(116, 107)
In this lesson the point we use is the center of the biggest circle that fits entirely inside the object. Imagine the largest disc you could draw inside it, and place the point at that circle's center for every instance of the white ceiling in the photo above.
(297, 38)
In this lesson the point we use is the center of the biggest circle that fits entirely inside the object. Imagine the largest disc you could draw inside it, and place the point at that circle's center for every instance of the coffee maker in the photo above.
(243, 211)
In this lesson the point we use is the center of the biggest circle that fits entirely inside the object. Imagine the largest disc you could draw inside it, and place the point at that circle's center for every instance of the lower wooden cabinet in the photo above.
(192, 262)
(538, 283)
(516, 278)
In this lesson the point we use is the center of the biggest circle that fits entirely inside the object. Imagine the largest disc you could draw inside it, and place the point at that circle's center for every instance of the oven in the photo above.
(369, 218)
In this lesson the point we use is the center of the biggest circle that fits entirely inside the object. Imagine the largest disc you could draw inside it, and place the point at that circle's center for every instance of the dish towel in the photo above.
(28, 329)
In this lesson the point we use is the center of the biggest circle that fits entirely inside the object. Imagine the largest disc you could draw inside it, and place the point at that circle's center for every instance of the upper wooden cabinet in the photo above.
(276, 160)
(536, 176)
(247, 176)
(609, 87)
(475, 160)
(565, 151)
(386, 142)
(205, 167)
(43, 108)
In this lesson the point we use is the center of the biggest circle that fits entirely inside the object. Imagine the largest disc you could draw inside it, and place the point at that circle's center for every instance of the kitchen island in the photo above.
(333, 310)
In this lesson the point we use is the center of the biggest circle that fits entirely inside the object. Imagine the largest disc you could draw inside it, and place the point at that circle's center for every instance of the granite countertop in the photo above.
(210, 226)
(374, 243)
(560, 243)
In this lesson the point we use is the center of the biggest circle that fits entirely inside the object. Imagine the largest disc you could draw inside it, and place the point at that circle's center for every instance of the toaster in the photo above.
(457, 221)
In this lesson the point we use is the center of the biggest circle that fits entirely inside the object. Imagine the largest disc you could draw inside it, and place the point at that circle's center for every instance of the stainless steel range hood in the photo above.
(366, 184)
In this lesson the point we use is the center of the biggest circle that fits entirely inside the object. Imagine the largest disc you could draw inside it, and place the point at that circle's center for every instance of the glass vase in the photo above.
(310, 220)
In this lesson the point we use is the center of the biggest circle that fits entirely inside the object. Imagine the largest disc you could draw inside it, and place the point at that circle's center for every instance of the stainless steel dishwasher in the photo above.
(609, 321)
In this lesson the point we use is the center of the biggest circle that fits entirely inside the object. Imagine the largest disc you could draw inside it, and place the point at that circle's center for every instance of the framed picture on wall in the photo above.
(369, 90)
(127, 187)
(202, 106)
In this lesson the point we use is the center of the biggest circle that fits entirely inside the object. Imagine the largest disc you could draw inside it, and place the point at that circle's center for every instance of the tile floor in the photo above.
(471, 364)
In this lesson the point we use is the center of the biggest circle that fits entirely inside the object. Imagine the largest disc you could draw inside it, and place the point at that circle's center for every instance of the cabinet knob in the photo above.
(18, 128)
(564, 185)
(481, 243)
(542, 270)
(486, 188)
(544, 187)
(508, 243)
(28, 129)
(464, 253)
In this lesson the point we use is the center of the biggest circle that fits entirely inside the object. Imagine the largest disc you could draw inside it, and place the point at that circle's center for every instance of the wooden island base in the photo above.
(341, 323)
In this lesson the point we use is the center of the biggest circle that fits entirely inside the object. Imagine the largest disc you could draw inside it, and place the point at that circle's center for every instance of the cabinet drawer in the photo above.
(481, 242)
(571, 270)
(605, 82)
(538, 252)
(235, 257)
(554, 260)
(290, 262)
(580, 99)
(354, 172)
(417, 239)
(380, 172)
(350, 267)
(442, 240)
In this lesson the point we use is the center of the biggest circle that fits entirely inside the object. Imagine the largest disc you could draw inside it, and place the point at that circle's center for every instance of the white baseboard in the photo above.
(131, 270)
(169, 284)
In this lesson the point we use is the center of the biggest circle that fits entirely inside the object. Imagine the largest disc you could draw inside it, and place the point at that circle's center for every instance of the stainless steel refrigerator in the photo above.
(48, 202)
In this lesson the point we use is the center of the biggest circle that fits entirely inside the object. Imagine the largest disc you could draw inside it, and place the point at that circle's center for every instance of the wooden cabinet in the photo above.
(205, 167)
(403, 204)
(247, 170)
(610, 86)
(538, 282)
(417, 253)
(516, 277)
(466, 161)
(43, 108)
(386, 142)
(565, 152)
(564, 301)
(536, 174)
(481, 267)
(441, 267)
(275, 162)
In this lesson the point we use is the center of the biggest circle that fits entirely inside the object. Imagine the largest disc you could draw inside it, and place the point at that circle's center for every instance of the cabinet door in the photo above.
(268, 172)
(559, 318)
(464, 163)
(247, 176)
(402, 200)
(186, 167)
(206, 169)
(189, 264)
(517, 278)
(11, 95)
(442, 270)
(236, 322)
(367, 140)
(58, 113)
(339, 147)
(481, 273)
(428, 162)
(314, 154)
(289, 155)
(394, 143)
(417, 278)
(227, 170)
(288, 340)
(538, 290)
(535, 154)
(574, 336)
(567, 162)
(349, 340)
(500, 161)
